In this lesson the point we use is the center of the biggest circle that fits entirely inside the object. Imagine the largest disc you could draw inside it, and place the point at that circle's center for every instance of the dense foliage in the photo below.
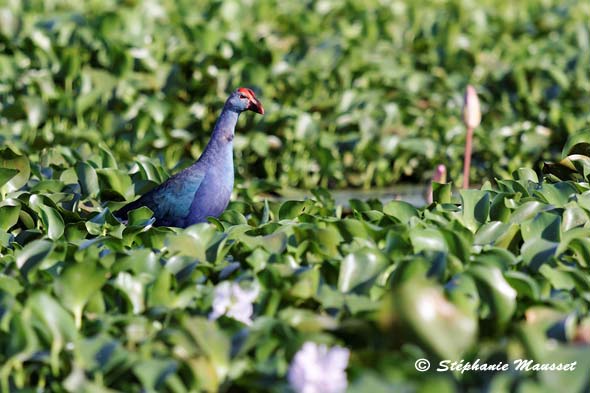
(87, 303)
(101, 100)
(357, 92)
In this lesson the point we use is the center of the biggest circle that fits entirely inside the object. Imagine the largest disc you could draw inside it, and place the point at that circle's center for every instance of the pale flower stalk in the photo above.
(233, 301)
(319, 369)
(471, 119)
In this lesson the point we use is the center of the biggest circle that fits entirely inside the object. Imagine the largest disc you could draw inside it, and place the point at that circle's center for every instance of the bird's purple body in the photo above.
(203, 189)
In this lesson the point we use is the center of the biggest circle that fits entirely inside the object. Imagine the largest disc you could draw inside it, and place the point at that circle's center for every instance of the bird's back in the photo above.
(171, 201)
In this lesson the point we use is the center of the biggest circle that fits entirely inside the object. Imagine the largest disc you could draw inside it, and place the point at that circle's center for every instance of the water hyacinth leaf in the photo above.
(559, 279)
(557, 194)
(524, 284)
(56, 319)
(401, 210)
(193, 241)
(538, 251)
(35, 109)
(462, 291)
(577, 379)
(6, 174)
(427, 239)
(581, 165)
(545, 225)
(105, 222)
(10, 161)
(527, 211)
(213, 342)
(439, 325)
(350, 228)
(458, 243)
(153, 372)
(562, 170)
(291, 209)
(77, 283)
(490, 232)
(307, 320)
(140, 216)
(476, 208)
(497, 256)
(525, 175)
(32, 255)
(359, 267)
(160, 294)
(496, 292)
(573, 216)
(115, 180)
(87, 178)
(52, 221)
(577, 143)
(498, 209)
(307, 284)
(134, 290)
(442, 192)
(9, 216)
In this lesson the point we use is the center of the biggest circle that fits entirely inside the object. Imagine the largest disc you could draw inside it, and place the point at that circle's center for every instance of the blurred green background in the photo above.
(358, 93)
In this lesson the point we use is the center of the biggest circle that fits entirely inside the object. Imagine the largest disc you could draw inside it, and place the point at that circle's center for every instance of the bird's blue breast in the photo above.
(215, 190)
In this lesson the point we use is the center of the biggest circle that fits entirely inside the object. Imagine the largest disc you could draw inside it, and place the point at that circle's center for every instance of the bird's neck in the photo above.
(223, 134)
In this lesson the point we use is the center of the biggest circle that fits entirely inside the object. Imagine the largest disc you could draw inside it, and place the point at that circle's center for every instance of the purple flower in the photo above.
(233, 301)
(319, 369)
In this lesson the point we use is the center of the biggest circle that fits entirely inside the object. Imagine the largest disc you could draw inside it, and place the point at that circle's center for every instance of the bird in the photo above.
(204, 188)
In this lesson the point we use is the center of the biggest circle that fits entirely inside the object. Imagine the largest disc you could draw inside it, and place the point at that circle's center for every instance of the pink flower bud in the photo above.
(471, 110)
(440, 174)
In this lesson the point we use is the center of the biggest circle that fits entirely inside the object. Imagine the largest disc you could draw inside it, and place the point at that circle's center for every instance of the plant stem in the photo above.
(467, 160)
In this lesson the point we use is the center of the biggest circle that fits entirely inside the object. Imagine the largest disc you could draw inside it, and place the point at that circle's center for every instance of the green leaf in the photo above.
(577, 143)
(427, 239)
(9, 216)
(538, 251)
(292, 209)
(545, 226)
(52, 221)
(153, 372)
(140, 217)
(401, 210)
(359, 267)
(496, 292)
(9, 160)
(56, 320)
(214, 343)
(557, 194)
(490, 232)
(6, 174)
(88, 179)
(438, 324)
(524, 284)
(559, 279)
(442, 193)
(133, 288)
(76, 284)
(32, 255)
(475, 207)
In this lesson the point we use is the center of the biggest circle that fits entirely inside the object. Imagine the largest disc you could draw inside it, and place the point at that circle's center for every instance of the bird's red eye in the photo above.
(242, 96)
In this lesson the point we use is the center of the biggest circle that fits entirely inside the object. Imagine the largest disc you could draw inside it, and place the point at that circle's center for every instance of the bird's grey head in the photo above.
(244, 99)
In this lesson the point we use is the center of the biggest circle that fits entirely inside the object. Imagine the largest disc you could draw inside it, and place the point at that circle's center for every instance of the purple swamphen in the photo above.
(204, 188)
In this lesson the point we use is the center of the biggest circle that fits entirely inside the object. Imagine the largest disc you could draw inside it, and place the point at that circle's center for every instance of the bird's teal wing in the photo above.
(171, 200)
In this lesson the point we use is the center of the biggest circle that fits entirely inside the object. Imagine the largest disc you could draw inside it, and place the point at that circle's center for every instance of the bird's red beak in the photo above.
(255, 106)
